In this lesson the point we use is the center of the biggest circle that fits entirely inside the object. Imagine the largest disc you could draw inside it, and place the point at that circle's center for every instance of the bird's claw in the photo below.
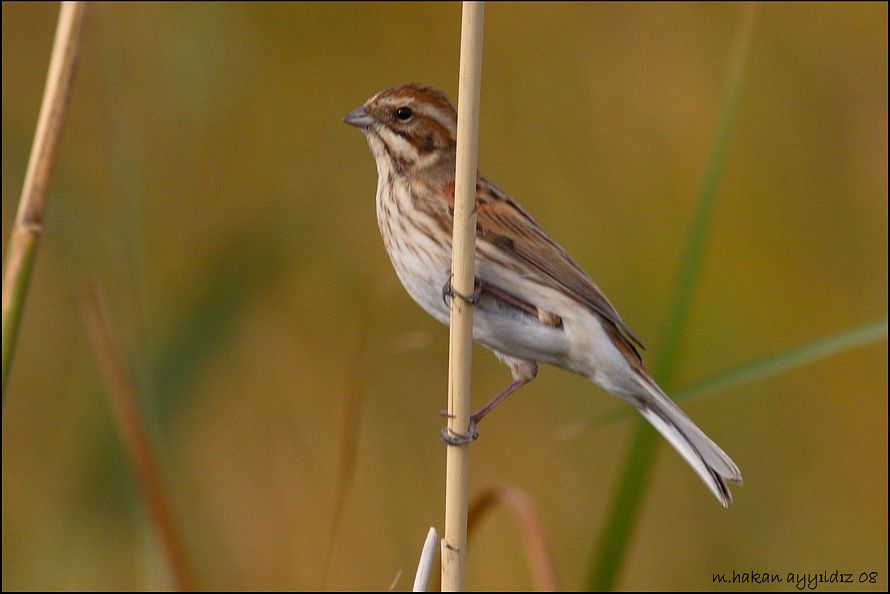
(449, 291)
(450, 437)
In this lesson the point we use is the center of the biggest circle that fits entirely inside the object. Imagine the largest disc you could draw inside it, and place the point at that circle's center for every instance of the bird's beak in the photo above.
(359, 118)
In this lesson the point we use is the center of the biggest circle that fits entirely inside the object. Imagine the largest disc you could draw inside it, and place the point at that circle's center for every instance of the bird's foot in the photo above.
(448, 290)
(450, 437)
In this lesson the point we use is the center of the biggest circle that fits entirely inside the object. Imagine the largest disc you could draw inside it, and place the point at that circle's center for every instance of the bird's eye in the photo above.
(404, 113)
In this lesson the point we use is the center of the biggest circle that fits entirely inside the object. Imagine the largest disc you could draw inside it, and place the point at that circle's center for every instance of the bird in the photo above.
(533, 303)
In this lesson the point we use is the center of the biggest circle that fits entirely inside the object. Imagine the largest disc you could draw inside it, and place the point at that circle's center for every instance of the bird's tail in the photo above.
(710, 462)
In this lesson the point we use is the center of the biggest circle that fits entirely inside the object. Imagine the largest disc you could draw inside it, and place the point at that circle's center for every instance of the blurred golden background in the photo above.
(208, 186)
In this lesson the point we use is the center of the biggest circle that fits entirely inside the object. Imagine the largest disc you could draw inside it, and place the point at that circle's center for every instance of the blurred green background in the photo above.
(207, 185)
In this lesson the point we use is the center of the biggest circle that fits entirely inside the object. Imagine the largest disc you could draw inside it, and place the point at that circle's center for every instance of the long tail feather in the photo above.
(710, 462)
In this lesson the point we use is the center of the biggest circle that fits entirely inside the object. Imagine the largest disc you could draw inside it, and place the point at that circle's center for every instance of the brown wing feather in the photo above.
(501, 221)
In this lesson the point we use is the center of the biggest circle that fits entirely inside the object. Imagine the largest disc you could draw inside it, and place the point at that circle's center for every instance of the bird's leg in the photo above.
(452, 438)
(472, 299)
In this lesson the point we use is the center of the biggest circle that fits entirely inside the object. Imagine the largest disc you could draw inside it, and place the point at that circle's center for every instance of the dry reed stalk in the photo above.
(454, 544)
(28, 226)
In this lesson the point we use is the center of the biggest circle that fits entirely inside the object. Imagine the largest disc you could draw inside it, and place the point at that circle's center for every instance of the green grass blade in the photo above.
(624, 510)
(786, 361)
(690, 265)
(625, 506)
(767, 367)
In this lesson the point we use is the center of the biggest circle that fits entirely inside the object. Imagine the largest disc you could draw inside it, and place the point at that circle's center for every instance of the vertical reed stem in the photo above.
(454, 544)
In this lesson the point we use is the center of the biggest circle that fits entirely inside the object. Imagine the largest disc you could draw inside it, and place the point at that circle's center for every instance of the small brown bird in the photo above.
(534, 303)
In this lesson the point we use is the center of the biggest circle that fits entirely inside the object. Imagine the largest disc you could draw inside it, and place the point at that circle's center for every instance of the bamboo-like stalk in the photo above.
(457, 482)
(133, 432)
(28, 228)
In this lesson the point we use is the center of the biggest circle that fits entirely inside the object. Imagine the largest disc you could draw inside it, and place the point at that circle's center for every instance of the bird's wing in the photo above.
(503, 223)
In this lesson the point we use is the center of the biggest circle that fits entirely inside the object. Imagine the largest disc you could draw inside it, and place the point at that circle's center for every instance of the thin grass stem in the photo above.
(28, 227)
(537, 547)
(133, 430)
